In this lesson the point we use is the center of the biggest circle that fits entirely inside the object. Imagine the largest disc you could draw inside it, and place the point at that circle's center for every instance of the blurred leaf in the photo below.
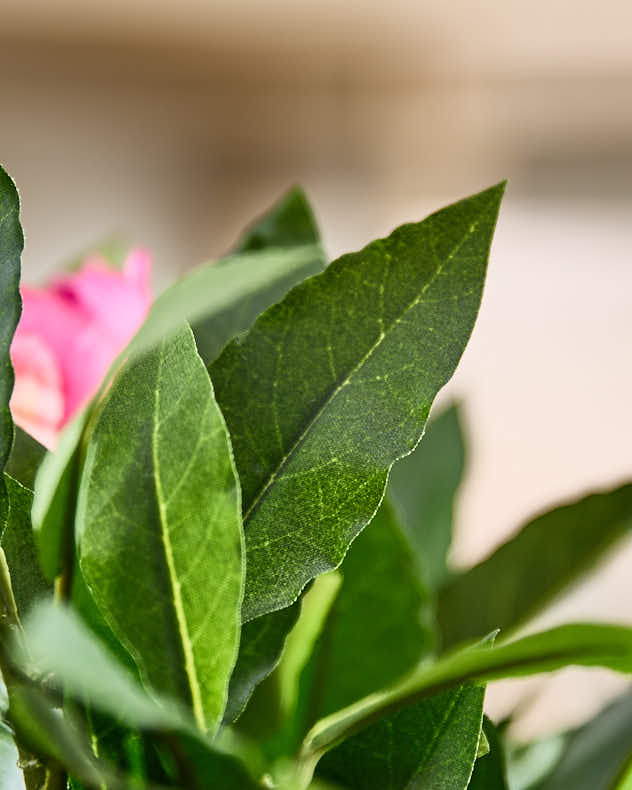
(527, 572)
(209, 290)
(334, 383)
(26, 456)
(29, 585)
(58, 646)
(489, 770)
(624, 780)
(582, 644)
(170, 535)
(260, 649)
(11, 246)
(429, 746)
(288, 223)
(595, 754)
(422, 488)
(527, 763)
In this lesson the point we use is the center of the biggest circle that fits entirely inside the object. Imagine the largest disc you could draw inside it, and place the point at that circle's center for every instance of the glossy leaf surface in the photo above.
(527, 572)
(335, 383)
(169, 535)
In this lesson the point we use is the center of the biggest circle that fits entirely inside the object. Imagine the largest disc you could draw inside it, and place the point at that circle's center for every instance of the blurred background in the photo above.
(176, 123)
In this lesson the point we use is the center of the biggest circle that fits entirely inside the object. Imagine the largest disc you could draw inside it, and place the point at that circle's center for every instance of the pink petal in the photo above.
(37, 403)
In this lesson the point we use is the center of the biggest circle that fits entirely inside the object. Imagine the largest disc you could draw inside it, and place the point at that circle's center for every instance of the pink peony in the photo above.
(69, 334)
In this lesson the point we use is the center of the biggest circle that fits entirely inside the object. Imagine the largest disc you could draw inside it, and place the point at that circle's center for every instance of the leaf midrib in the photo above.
(275, 474)
(183, 627)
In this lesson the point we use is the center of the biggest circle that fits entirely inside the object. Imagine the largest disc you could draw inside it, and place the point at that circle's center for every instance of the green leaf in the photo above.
(11, 246)
(335, 383)
(582, 644)
(289, 223)
(596, 754)
(158, 521)
(422, 488)
(260, 649)
(489, 770)
(429, 746)
(380, 625)
(26, 456)
(211, 289)
(526, 573)
(29, 585)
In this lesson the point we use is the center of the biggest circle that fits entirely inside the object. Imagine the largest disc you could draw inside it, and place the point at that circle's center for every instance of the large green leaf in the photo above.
(489, 770)
(158, 524)
(527, 572)
(29, 585)
(211, 289)
(429, 746)
(582, 644)
(11, 245)
(422, 488)
(596, 753)
(288, 223)
(335, 383)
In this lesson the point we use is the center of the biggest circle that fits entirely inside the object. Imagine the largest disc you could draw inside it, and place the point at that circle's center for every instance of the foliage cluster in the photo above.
(232, 572)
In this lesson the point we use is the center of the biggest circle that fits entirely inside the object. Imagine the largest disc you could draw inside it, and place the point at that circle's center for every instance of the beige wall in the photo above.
(178, 122)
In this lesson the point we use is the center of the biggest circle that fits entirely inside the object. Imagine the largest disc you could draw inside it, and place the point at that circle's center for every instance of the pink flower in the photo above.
(68, 335)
